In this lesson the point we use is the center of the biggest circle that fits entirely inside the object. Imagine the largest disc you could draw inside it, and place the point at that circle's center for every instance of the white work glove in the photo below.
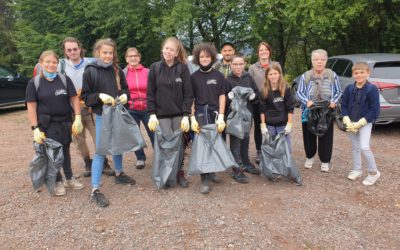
(123, 99)
(288, 128)
(252, 96)
(220, 123)
(362, 122)
(194, 125)
(106, 99)
(153, 123)
(264, 129)
(185, 124)
(230, 95)
(38, 136)
(77, 126)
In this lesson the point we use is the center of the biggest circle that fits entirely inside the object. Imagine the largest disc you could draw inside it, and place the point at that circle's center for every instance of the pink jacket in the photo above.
(137, 84)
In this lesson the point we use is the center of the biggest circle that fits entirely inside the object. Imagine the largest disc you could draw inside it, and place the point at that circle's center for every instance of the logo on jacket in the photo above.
(60, 92)
(212, 81)
(178, 79)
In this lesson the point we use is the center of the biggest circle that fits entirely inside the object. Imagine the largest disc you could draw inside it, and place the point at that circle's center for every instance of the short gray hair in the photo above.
(320, 52)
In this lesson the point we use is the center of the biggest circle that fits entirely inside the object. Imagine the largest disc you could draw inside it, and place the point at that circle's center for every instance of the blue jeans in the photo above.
(144, 117)
(274, 130)
(98, 160)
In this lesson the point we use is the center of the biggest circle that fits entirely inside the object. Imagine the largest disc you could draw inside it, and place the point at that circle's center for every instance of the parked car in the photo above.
(385, 74)
(12, 87)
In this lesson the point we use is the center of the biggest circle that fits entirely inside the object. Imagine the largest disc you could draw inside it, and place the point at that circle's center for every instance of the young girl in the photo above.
(277, 104)
(136, 77)
(169, 93)
(108, 83)
(49, 112)
(208, 86)
(360, 108)
(240, 147)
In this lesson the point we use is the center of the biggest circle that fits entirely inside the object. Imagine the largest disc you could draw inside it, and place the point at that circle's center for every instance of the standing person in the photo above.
(50, 114)
(360, 109)
(322, 84)
(208, 87)
(240, 147)
(73, 66)
(136, 77)
(169, 93)
(257, 71)
(103, 81)
(224, 66)
(276, 104)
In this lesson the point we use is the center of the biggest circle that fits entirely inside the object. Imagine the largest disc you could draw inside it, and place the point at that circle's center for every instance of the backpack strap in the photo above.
(36, 81)
(330, 73)
(62, 66)
(125, 70)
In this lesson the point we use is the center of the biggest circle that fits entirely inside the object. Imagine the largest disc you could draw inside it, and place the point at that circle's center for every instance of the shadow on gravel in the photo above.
(7, 110)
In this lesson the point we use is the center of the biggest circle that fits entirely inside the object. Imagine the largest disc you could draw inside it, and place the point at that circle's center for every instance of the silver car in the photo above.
(385, 74)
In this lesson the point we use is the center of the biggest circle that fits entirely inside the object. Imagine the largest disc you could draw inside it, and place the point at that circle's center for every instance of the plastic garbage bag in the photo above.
(44, 166)
(320, 117)
(167, 157)
(210, 152)
(119, 132)
(276, 160)
(239, 119)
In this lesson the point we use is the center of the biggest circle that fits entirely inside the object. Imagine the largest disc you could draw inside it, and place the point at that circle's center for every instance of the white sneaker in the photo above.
(354, 174)
(309, 162)
(59, 189)
(73, 183)
(325, 167)
(371, 179)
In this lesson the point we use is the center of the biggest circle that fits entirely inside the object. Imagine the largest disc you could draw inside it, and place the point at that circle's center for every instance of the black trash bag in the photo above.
(47, 161)
(167, 157)
(238, 122)
(339, 118)
(119, 132)
(320, 117)
(276, 160)
(210, 152)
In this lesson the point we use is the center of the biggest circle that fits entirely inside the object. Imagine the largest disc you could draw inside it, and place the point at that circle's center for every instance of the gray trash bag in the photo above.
(167, 157)
(238, 122)
(119, 132)
(276, 160)
(210, 152)
(47, 161)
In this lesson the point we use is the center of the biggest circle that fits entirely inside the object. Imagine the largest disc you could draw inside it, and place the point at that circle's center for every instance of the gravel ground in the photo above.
(327, 212)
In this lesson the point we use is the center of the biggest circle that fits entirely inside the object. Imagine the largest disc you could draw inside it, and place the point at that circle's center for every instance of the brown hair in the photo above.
(181, 50)
(96, 52)
(207, 48)
(132, 49)
(264, 43)
(360, 66)
(45, 54)
(73, 40)
(239, 55)
(282, 85)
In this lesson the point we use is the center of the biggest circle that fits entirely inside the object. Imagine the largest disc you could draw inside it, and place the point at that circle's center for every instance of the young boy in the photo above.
(360, 108)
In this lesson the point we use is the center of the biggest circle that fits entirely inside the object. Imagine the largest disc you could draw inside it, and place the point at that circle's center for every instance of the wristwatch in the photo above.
(34, 127)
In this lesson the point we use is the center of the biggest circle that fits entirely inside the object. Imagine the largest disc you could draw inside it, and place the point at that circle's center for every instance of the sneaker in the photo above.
(123, 179)
(99, 198)
(73, 183)
(309, 162)
(182, 180)
(107, 170)
(258, 157)
(371, 178)
(250, 168)
(325, 167)
(205, 188)
(88, 167)
(214, 178)
(239, 176)
(354, 174)
(59, 189)
(140, 164)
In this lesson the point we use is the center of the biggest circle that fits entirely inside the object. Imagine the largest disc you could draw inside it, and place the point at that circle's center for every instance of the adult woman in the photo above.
(102, 81)
(318, 84)
(169, 93)
(49, 112)
(257, 71)
(136, 78)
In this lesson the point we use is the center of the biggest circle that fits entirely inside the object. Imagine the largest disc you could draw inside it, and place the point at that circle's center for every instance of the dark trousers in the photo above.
(257, 127)
(325, 144)
(144, 117)
(66, 164)
(240, 148)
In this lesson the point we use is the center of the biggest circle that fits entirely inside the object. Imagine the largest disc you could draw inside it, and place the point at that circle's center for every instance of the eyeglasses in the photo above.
(73, 49)
(237, 64)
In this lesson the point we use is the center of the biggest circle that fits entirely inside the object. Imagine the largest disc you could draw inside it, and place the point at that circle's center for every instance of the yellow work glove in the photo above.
(194, 125)
(185, 124)
(360, 123)
(220, 123)
(153, 123)
(38, 136)
(106, 99)
(77, 126)
(123, 99)
(288, 128)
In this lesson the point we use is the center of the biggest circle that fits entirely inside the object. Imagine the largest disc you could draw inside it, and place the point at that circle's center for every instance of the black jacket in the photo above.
(245, 80)
(169, 91)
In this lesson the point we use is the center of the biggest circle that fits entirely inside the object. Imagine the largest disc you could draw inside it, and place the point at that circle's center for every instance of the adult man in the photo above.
(73, 66)
(227, 51)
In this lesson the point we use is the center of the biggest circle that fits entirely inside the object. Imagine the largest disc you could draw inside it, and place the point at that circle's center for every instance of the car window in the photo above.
(349, 72)
(340, 67)
(330, 63)
(5, 73)
(387, 70)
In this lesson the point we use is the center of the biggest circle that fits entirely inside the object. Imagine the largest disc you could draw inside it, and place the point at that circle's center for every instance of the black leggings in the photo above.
(325, 144)
(257, 127)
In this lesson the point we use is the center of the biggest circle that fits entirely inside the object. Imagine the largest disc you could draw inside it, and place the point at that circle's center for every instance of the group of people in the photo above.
(66, 98)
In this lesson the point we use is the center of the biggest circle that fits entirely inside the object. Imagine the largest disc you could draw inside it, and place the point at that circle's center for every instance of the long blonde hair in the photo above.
(45, 54)
(282, 84)
(181, 50)
(96, 52)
